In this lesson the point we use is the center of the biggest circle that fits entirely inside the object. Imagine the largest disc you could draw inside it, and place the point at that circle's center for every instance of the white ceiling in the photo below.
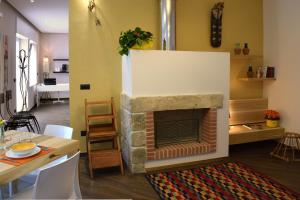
(49, 16)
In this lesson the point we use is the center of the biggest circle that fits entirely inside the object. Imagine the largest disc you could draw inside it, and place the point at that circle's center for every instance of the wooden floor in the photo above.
(110, 184)
(49, 113)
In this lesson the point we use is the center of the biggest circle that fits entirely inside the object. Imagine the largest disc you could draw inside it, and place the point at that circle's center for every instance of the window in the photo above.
(32, 63)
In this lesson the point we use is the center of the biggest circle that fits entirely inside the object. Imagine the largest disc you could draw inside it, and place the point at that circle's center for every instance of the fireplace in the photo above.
(173, 119)
(177, 126)
(155, 129)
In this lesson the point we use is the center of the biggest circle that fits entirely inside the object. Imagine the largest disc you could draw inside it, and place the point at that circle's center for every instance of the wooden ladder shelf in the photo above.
(102, 128)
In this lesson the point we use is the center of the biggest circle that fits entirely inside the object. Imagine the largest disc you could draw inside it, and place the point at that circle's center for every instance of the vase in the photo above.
(246, 49)
(145, 45)
(2, 136)
(250, 72)
(272, 123)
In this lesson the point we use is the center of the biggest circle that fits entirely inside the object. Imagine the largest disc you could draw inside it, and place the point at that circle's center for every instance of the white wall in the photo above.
(164, 73)
(10, 24)
(53, 46)
(8, 27)
(282, 50)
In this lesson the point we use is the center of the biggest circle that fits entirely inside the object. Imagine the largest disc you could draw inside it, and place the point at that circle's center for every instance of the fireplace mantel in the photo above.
(162, 103)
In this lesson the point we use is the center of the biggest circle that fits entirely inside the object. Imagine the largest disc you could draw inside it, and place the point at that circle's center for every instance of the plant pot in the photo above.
(144, 46)
(272, 123)
(237, 51)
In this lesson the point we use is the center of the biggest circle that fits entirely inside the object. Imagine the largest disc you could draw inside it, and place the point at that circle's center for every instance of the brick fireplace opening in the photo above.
(177, 126)
(194, 142)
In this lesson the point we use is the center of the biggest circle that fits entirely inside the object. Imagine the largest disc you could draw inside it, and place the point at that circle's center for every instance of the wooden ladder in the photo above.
(102, 128)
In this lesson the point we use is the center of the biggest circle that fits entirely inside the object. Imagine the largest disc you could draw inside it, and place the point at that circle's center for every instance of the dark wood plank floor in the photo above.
(110, 184)
(257, 155)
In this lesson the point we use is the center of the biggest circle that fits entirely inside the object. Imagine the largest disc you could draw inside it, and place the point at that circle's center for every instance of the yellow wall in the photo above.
(242, 22)
(94, 54)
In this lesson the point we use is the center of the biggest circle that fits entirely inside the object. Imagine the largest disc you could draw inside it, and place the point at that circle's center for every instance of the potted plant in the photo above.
(135, 39)
(272, 118)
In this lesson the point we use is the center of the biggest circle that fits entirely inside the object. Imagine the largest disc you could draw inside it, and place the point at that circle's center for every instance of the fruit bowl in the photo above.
(22, 148)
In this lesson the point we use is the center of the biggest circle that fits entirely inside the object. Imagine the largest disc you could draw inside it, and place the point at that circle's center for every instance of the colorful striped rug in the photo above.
(222, 181)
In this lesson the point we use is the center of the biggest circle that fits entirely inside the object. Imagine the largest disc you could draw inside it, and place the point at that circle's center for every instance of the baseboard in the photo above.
(188, 164)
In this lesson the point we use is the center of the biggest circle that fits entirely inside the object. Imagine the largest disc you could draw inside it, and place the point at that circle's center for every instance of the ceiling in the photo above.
(49, 16)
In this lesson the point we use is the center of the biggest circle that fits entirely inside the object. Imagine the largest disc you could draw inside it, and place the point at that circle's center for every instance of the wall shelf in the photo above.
(240, 135)
(257, 79)
(60, 72)
(60, 59)
(243, 57)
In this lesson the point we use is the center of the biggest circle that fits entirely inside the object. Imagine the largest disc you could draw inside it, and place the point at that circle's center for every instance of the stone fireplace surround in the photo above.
(137, 127)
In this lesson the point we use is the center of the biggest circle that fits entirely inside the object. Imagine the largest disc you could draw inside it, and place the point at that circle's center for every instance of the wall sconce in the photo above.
(92, 5)
(46, 68)
(91, 8)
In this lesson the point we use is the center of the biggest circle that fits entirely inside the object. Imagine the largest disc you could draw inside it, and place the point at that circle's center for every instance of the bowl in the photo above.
(23, 148)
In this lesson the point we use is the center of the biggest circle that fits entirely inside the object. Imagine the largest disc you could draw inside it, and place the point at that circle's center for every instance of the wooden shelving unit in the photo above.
(257, 79)
(102, 128)
(247, 122)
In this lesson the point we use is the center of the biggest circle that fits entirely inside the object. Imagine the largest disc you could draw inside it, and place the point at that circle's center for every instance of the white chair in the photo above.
(56, 182)
(52, 130)
(59, 131)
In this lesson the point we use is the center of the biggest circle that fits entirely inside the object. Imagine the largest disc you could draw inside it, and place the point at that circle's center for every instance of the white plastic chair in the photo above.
(56, 182)
(59, 131)
(56, 131)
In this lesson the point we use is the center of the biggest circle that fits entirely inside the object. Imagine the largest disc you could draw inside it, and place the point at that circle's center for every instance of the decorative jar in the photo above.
(246, 49)
(237, 49)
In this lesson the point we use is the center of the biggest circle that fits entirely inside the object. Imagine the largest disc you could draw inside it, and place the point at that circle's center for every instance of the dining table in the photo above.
(52, 149)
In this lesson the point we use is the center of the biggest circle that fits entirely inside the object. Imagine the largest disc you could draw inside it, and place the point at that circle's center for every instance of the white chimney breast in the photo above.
(164, 73)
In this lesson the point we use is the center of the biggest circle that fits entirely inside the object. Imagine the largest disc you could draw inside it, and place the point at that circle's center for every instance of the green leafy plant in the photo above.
(133, 37)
